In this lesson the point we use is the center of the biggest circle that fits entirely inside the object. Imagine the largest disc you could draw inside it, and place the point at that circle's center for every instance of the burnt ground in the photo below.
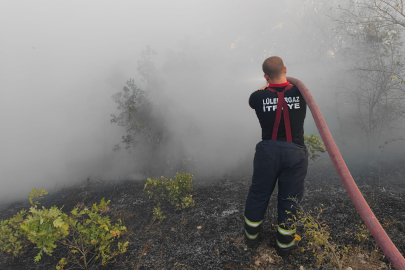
(210, 235)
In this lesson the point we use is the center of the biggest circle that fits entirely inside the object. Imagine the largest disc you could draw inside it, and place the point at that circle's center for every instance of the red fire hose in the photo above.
(357, 198)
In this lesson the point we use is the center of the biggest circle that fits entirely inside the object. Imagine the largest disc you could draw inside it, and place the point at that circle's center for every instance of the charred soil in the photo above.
(210, 234)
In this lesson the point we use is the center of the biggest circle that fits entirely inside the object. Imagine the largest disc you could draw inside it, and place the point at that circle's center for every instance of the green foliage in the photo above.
(157, 213)
(317, 236)
(177, 192)
(15, 232)
(187, 201)
(92, 236)
(44, 227)
(363, 235)
(12, 238)
(90, 232)
(314, 145)
(61, 264)
(317, 240)
(35, 195)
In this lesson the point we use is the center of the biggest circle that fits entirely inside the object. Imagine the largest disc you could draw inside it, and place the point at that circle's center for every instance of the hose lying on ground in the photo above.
(357, 198)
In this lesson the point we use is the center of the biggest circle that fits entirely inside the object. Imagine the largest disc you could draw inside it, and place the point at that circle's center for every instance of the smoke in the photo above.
(62, 62)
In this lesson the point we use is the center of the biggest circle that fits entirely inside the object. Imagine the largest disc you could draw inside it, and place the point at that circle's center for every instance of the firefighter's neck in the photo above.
(279, 80)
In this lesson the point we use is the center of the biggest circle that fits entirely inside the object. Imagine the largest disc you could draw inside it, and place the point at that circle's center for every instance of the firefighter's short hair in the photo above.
(273, 67)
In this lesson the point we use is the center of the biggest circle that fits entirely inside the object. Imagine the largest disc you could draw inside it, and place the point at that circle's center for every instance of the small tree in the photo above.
(140, 113)
(136, 110)
(374, 84)
(144, 115)
(384, 12)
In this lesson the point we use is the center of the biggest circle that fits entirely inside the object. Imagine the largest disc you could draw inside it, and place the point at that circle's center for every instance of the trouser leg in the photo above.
(263, 182)
(291, 189)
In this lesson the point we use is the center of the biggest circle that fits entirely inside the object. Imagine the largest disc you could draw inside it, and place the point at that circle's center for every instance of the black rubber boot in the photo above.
(252, 243)
(284, 252)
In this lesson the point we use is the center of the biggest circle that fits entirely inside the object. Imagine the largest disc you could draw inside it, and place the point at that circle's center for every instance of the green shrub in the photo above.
(157, 213)
(317, 236)
(41, 227)
(177, 192)
(92, 235)
(314, 145)
(44, 227)
(12, 238)
(35, 195)
(90, 231)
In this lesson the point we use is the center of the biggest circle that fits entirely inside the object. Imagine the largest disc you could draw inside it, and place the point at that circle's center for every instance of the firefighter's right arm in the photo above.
(262, 88)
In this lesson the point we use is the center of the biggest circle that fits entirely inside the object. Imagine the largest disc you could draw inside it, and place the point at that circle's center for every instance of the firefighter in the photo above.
(280, 156)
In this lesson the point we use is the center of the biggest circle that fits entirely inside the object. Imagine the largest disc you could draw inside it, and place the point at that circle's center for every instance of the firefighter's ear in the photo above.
(266, 77)
(285, 70)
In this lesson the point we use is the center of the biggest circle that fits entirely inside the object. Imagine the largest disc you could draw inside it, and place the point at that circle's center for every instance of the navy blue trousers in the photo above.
(276, 160)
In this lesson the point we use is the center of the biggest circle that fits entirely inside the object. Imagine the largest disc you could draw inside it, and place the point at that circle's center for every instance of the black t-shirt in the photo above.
(265, 104)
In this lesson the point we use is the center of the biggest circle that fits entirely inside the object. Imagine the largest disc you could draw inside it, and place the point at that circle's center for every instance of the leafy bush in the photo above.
(314, 145)
(44, 227)
(177, 192)
(92, 235)
(317, 240)
(157, 213)
(91, 232)
(12, 239)
(318, 236)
